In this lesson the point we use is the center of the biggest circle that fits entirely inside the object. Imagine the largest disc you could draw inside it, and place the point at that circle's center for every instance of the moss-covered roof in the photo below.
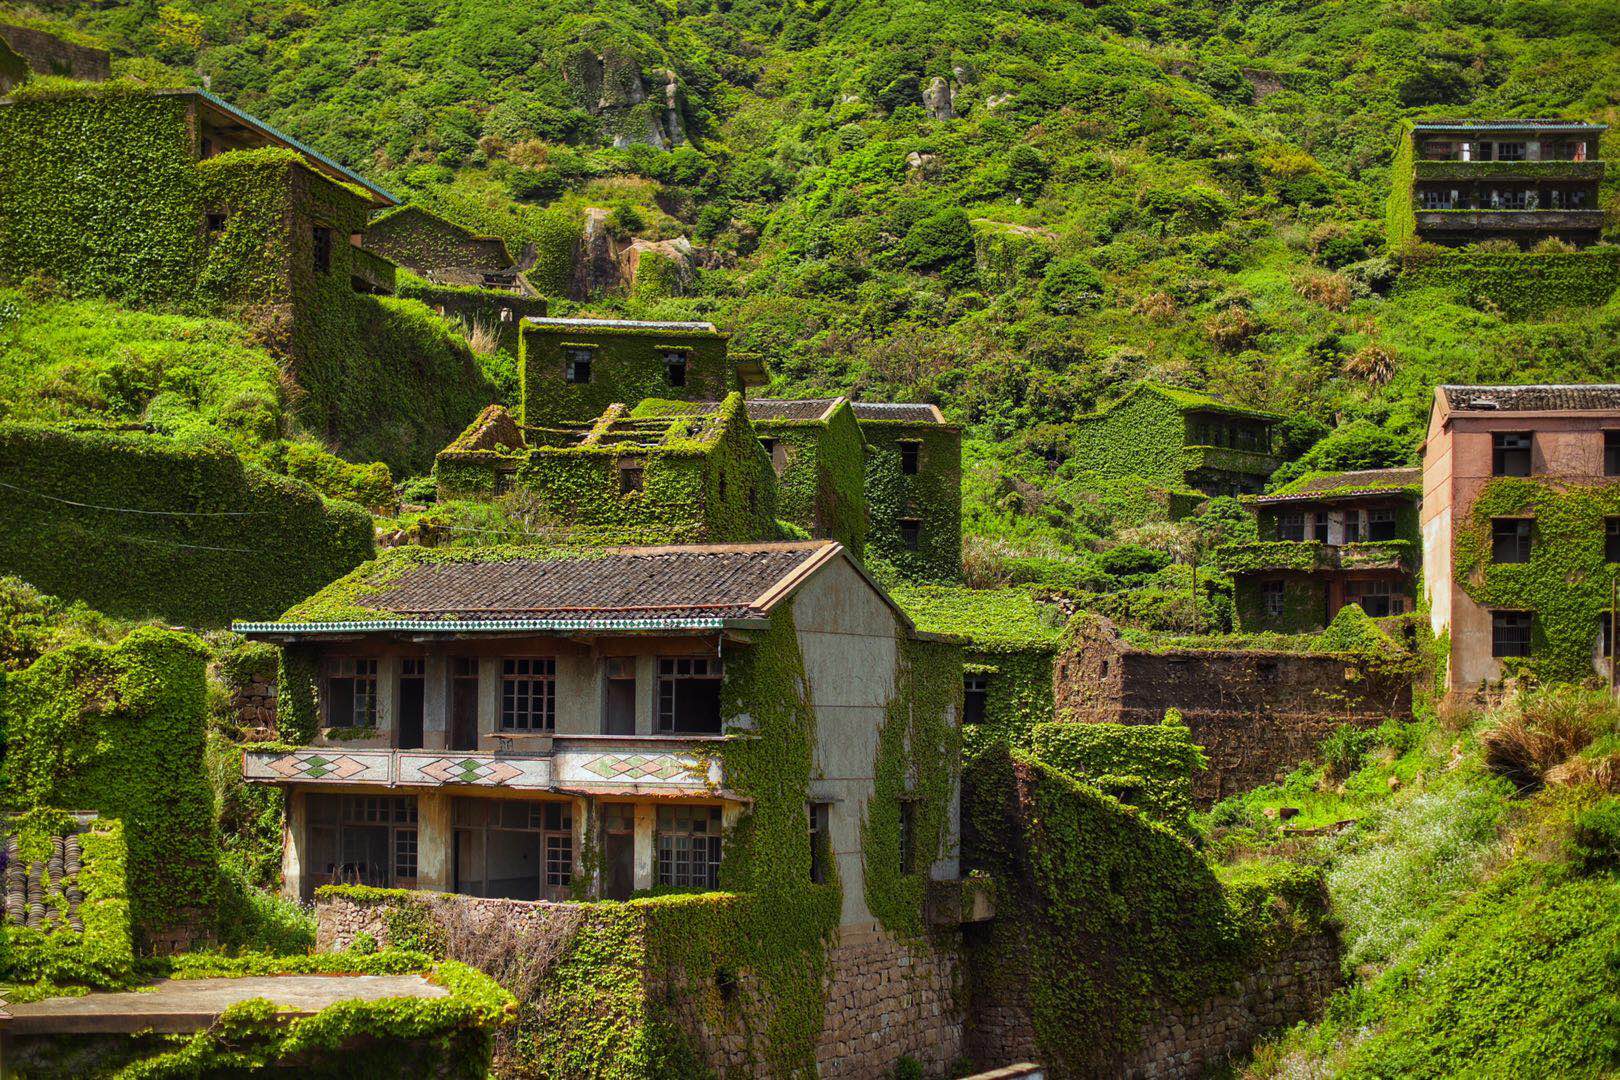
(1319, 486)
(998, 620)
(1185, 400)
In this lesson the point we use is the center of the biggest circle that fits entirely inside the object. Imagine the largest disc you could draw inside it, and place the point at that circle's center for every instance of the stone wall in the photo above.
(1256, 714)
(1187, 1040)
(253, 706)
(886, 998)
(48, 54)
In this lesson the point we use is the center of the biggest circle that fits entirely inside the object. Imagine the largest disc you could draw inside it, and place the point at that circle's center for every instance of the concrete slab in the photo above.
(182, 1006)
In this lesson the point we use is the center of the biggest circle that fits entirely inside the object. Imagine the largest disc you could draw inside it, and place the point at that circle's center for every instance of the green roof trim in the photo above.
(458, 626)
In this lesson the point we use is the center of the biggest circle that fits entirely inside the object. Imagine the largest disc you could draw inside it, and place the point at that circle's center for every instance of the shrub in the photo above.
(1594, 844)
(1373, 364)
(1332, 291)
(1070, 286)
(1535, 732)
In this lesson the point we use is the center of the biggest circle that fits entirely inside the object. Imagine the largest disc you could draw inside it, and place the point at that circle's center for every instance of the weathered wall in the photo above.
(48, 54)
(1256, 714)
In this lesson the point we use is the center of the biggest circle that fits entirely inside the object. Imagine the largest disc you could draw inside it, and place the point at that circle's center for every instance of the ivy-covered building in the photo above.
(913, 490)
(572, 369)
(1179, 437)
(1463, 181)
(1521, 529)
(547, 724)
(665, 472)
(1327, 540)
(443, 252)
(818, 454)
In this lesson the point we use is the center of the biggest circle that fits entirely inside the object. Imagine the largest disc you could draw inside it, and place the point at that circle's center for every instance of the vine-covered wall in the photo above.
(136, 524)
(1520, 284)
(423, 241)
(627, 366)
(1140, 435)
(1400, 216)
(1304, 608)
(1105, 917)
(822, 484)
(1567, 581)
(1148, 766)
(119, 730)
(931, 496)
(705, 479)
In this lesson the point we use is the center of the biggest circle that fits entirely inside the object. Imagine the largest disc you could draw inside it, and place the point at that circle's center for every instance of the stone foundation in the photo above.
(1188, 1039)
(253, 704)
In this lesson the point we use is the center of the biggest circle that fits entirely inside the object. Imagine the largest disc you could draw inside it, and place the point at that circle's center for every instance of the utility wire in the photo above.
(130, 510)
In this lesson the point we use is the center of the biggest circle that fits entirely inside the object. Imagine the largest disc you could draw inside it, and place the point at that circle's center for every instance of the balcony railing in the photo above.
(1527, 220)
(1310, 556)
(606, 763)
(1228, 459)
(1507, 170)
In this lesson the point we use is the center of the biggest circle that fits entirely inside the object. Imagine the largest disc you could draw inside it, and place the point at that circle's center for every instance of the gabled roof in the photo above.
(898, 411)
(341, 173)
(1184, 400)
(1325, 486)
(792, 409)
(681, 587)
(1575, 397)
(1507, 125)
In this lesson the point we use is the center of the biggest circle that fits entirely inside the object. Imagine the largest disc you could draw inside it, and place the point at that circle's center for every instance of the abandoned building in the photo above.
(1521, 529)
(1257, 713)
(572, 369)
(1519, 180)
(1327, 540)
(283, 199)
(477, 719)
(1179, 438)
(443, 252)
(27, 50)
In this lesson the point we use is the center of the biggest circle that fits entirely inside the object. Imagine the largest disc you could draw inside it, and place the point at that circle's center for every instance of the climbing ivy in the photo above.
(1148, 766)
(821, 486)
(1567, 581)
(1145, 434)
(627, 366)
(119, 729)
(56, 955)
(137, 524)
(1521, 285)
(932, 496)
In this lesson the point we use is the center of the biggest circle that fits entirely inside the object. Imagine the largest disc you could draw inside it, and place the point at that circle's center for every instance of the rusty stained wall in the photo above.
(1256, 714)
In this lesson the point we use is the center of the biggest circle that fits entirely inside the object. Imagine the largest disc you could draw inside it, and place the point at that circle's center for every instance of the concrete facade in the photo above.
(1567, 448)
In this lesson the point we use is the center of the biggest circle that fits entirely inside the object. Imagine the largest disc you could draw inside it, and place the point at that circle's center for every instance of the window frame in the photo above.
(365, 669)
(321, 248)
(668, 678)
(1274, 597)
(1611, 539)
(676, 360)
(1611, 452)
(911, 451)
(1518, 544)
(1499, 647)
(532, 682)
(910, 530)
(688, 857)
(577, 359)
(1501, 446)
(979, 692)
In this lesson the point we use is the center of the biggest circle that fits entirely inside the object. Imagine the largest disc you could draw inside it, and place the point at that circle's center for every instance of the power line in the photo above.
(131, 510)
(160, 543)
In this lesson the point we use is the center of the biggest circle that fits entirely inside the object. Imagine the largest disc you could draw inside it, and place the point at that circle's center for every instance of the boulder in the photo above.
(939, 99)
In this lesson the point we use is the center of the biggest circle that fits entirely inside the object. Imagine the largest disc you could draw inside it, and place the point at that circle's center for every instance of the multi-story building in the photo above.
(477, 723)
(1521, 529)
(1180, 438)
(1327, 540)
(1522, 180)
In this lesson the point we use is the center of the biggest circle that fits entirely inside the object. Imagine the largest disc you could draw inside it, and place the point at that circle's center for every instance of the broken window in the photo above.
(688, 844)
(975, 694)
(214, 221)
(910, 533)
(1510, 540)
(513, 850)
(351, 692)
(675, 367)
(362, 840)
(1274, 594)
(1510, 453)
(529, 693)
(1510, 633)
(632, 475)
(577, 365)
(1291, 526)
(322, 249)
(910, 457)
(1376, 598)
(689, 695)
(820, 842)
(619, 695)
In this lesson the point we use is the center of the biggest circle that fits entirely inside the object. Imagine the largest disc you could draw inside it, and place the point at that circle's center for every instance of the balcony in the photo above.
(1508, 220)
(1311, 556)
(1228, 459)
(1508, 170)
(601, 764)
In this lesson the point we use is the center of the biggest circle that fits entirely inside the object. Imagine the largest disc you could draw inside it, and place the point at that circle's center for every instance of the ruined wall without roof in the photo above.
(48, 54)
(1256, 714)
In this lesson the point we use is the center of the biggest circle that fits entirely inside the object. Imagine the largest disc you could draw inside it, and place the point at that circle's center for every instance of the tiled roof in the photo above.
(1578, 398)
(901, 411)
(1508, 125)
(553, 322)
(1324, 485)
(711, 581)
(782, 409)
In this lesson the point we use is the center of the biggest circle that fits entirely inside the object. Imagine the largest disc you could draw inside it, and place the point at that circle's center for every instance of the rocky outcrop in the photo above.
(603, 263)
(634, 107)
(939, 98)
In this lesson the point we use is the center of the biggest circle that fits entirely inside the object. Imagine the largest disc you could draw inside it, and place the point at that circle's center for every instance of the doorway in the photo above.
(464, 704)
(618, 851)
(412, 698)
